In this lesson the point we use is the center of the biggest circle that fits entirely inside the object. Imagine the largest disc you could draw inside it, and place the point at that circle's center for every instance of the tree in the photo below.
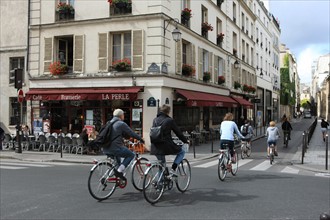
(305, 104)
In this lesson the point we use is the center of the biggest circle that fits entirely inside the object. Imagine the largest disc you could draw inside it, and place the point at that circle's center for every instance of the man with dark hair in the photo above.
(167, 146)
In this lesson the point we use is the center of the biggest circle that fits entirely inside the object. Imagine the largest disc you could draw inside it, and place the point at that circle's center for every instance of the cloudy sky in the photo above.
(304, 29)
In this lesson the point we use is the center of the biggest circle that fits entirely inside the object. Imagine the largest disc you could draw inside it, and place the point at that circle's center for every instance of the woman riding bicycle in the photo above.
(227, 129)
(168, 147)
(273, 134)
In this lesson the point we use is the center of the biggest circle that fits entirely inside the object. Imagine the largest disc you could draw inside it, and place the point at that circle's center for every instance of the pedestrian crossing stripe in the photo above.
(290, 170)
(25, 164)
(244, 162)
(209, 164)
(12, 168)
(262, 166)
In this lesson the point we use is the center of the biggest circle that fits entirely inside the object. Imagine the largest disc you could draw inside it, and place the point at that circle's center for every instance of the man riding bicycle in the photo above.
(167, 146)
(247, 130)
(227, 130)
(117, 148)
(286, 128)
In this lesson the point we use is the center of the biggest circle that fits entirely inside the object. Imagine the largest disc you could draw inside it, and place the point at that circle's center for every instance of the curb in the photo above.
(315, 170)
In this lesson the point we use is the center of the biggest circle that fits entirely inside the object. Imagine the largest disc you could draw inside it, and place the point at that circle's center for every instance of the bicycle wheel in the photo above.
(234, 166)
(102, 182)
(242, 152)
(184, 176)
(138, 169)
(153, 183)
(286, 141)
(222, 171)
(271, 157)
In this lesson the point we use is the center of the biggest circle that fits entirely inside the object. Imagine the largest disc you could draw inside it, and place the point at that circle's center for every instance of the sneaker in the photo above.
(120, 175)
(173, 173)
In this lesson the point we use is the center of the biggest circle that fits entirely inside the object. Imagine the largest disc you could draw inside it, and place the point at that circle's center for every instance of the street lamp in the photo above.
(176, 34)
(236, 64)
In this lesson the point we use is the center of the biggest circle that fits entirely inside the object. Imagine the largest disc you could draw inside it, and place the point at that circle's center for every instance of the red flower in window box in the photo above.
(57, 68)
(186, 14)
(122, 65)
(206, 27)
(221, 80)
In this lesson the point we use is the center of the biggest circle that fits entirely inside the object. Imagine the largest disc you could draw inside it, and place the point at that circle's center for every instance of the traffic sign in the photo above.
(20, 96)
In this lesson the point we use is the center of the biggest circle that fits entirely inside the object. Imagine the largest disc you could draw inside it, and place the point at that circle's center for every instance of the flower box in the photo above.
(188, 70)
(206, 27)
(121, 6)
(186, 14)
(249, 89)
(65, 11)
(220, 38)
(56, 68)
(206, 76)
(221, 80)
(237, 85)
(122, 65)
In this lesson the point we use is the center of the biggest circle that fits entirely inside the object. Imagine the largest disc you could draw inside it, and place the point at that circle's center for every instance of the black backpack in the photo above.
(103, 139)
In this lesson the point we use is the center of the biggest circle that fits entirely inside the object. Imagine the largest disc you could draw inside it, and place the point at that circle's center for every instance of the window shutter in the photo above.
(200, 63)
(79, 53)
(216, 67)
(48, 54)
(103, 52)
(193, 57)
(211, 66)
(178, 62)
(138, 46)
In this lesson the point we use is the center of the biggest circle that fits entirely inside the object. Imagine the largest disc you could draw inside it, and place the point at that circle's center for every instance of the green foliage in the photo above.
(286, 61)
(288, 89)
(304, 104)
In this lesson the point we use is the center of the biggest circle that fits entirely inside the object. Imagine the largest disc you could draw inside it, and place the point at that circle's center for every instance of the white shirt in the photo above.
(227, 130)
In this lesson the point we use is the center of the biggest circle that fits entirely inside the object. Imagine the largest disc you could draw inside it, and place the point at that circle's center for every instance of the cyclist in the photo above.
(227, 129)
(117, 148)
(286, 128)
(324, 128)
(273, 134)
(247, 129)
(167, 146)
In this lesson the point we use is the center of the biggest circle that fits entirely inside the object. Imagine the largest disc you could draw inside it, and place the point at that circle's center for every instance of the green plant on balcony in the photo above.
(220, 38)
(206, 76)
(56, 68)
(206, 27)
(186, 14)
(122, 65)
(221, 80)
(237, 85)
(188, 70)
(65, 11)
(120, 3)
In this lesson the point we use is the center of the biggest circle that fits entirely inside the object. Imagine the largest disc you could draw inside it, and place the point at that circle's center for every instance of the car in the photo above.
(307, 115)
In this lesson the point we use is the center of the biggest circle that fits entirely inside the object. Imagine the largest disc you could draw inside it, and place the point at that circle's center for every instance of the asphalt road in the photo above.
(59, 191)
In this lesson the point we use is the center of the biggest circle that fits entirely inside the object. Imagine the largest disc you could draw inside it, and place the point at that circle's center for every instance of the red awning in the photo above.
(206, 99)
(129, 93)
(243, 102)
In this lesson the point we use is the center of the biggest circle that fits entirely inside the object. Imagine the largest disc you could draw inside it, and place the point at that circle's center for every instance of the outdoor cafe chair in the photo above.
(42, 140)
(8, 141)
(52, 143)
(67, 144)
(80, 146)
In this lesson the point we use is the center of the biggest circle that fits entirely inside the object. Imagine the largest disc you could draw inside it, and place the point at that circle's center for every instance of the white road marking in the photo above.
(25, 164)
(290, 170)
(262, 166)
(12, 168)
(243, 162)
(209, 164)
(323, 174)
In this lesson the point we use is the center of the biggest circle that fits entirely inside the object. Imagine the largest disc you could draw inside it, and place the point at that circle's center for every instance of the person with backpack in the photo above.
(286, 128)
(166, 146)
(247, 130)
(324, 128)
(118, 130)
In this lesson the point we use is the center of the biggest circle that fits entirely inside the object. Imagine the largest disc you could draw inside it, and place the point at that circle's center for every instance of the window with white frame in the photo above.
(70, 2)
(121, 46)
(185, 4)
(205, 61)
(220, 67)
(15, 63)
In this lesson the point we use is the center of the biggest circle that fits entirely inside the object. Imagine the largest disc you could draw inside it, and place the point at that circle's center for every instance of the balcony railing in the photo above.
(65, 15)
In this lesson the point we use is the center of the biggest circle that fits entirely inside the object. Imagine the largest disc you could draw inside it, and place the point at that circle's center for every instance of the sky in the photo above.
(305, 29)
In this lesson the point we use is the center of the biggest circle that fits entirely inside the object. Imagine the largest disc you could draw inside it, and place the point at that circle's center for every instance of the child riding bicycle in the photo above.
(273, 134)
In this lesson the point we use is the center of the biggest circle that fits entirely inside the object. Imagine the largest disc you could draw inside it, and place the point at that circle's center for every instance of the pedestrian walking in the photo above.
(324, 128)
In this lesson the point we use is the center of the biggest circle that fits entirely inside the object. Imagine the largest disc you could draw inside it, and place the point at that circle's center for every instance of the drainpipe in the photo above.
(28, 38)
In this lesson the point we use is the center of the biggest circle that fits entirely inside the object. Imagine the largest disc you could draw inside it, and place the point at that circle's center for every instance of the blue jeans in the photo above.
(179, 157)
(125, 153)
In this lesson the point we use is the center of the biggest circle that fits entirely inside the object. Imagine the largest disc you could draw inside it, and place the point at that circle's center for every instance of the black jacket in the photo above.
(167, 147)
(286, 126)
(324, 124)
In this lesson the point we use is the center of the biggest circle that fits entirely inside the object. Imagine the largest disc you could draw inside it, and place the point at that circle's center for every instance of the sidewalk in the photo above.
(314, 159)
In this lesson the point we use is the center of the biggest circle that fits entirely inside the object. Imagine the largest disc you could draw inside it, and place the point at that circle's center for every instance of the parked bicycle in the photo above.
(157, 179)
(102, 181)
(225, 163)
(245, 148)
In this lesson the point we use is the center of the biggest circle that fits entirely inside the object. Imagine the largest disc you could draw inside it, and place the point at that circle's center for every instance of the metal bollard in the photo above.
(211, 134)
(194, 140)
(61, 151)
(303, 146)
(326, 151)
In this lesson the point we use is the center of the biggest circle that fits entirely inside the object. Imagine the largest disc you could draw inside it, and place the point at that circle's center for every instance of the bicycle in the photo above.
(271, 153)
(286, 138)
(225, 164)
(102, 181)
(245, 148)
(157, 179)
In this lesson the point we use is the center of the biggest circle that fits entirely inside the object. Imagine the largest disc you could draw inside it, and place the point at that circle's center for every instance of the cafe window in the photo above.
(15, 63)
(186, 117)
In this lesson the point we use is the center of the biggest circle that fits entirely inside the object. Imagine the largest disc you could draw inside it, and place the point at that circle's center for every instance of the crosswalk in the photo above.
(20, 165)
(258, 165)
